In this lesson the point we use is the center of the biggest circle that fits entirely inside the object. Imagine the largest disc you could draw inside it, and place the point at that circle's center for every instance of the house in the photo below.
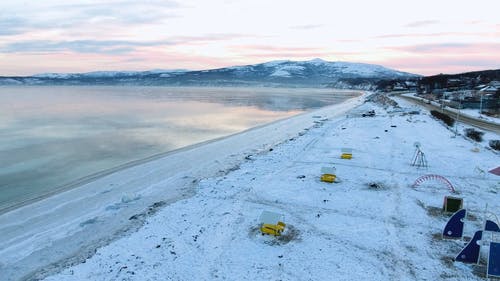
(490, 99)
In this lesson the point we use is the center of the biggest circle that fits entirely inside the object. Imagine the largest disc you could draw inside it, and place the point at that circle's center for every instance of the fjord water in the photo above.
(51, 136)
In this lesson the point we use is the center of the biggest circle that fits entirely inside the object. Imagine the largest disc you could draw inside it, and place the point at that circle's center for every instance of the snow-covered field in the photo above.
(370, 225)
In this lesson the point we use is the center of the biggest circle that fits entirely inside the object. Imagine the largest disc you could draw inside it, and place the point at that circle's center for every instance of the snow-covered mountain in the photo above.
(104, 74)
(312, 73)
(318, 68)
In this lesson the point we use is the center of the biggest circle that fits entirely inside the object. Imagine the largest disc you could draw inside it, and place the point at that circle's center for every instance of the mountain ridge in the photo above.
(279, 73)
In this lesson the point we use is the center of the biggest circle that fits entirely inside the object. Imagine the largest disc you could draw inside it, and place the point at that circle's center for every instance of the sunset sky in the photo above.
(424, 37)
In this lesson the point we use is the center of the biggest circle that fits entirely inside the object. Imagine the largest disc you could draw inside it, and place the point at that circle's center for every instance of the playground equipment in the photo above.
(435, 178)
(472, 251)
(328, 174)
(452, 204)
(454, 228)
(490, 225)
(419, 159)
(491, 222)
(489, 236)
(470, 254)
(346, 153)
(272, 223)
(495, 171)
(493, 268)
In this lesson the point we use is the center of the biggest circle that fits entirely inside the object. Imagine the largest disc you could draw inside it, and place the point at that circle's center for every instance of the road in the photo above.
(485, 125)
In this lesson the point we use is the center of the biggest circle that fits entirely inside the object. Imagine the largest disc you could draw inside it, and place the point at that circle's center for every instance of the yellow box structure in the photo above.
(328, 174)
(346, 156)
(328, 178)
(346, 153)
(273, 229)
(272, 223)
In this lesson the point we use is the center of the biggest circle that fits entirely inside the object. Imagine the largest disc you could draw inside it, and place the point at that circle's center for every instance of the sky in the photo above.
(423, 37)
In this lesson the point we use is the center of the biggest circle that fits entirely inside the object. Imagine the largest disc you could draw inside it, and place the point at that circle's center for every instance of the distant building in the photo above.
(490, 96)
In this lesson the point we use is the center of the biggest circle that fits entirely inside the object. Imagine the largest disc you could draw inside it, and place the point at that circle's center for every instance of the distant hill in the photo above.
(470, 79)
(460, 81)
(312, 73)
(487, 75)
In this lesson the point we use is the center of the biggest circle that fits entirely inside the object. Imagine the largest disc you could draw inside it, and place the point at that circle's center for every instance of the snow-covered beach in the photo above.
(193, 214)
(72, 224)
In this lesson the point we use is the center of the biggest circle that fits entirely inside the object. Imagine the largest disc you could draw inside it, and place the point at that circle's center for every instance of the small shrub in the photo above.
(445, 118)
(474, 134)
(495, 144)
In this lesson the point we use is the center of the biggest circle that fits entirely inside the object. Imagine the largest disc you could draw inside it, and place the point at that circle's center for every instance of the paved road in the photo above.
(485, 125)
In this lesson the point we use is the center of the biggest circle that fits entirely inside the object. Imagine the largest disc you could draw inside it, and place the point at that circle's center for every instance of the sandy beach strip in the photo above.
(68, 226)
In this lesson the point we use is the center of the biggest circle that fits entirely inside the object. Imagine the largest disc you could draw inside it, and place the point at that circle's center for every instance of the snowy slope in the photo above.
(371, 224)
(318, 67)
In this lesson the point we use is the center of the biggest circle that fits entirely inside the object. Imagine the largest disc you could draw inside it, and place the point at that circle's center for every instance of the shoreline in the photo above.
(95, 176)
(112, 198)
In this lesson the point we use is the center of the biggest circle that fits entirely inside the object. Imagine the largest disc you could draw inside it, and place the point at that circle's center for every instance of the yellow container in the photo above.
(346, 156)
(328, 178)
(273, 229)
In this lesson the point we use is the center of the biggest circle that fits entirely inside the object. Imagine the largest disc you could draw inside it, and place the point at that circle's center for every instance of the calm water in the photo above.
(52, 136)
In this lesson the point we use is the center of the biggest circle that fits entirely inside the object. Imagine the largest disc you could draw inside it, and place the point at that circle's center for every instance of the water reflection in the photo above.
(50, 136)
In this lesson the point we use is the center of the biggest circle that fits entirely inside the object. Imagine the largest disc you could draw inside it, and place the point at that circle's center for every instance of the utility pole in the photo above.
(480, 103)
(458, 116)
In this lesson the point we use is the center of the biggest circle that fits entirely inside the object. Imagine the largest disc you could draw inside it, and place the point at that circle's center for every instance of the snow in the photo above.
(365, 70)
(168, 70)
(110, 73)
(475, 113)
(54, 75)
(287, 70)
(239, 68)
(100, 74)
(10, 81)
(358, 69)
(371, 224)
(281, 73)
(293, 68)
